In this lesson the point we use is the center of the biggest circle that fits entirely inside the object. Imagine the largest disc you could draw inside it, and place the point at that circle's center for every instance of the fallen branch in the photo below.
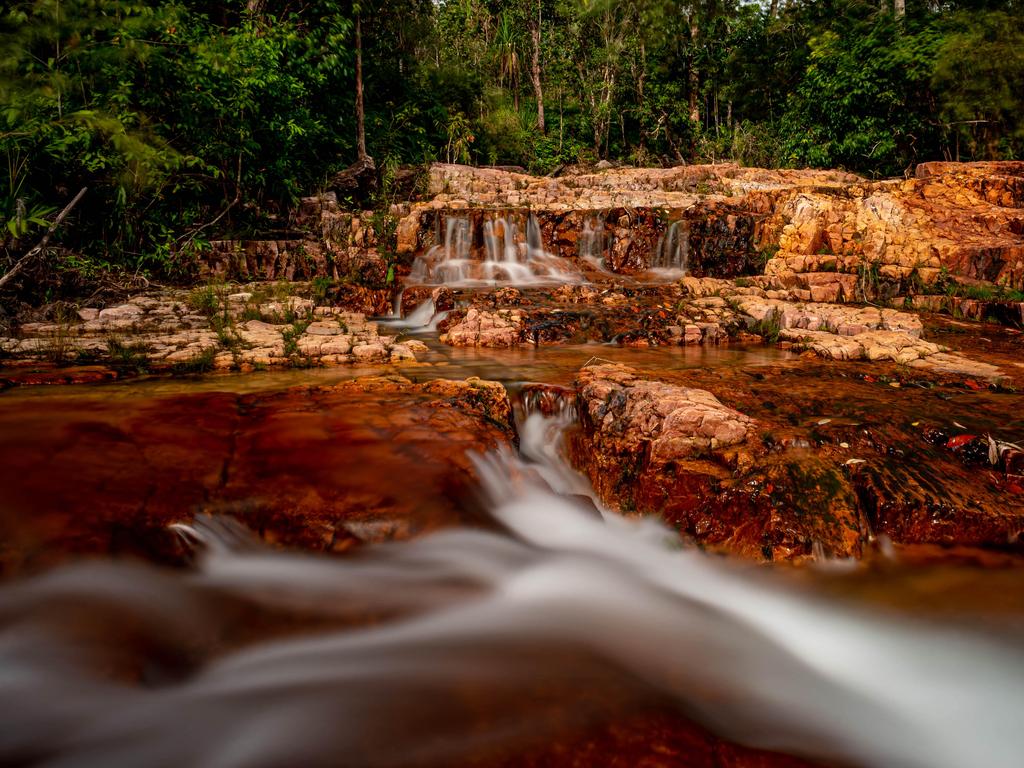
(187, 239)
(41, 245)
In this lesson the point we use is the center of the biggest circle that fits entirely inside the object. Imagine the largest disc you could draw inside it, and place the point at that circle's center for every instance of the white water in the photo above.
(513, 254)
(593, 241)
(672, 255)
(429, 651)
(420, 319)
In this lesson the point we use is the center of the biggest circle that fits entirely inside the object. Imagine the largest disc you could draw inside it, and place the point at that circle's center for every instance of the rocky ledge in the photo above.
(698, 311)
(213, 327)
(825, 233)
(795, 462)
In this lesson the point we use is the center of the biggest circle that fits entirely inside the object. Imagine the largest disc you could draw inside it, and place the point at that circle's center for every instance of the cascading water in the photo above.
(424, 319)
(471, 643)
(673, 251)
(453, 260)
(592, 240)
(507, 257)
(513, 253)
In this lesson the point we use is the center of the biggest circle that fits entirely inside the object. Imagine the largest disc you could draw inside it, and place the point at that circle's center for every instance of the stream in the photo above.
(527, 616)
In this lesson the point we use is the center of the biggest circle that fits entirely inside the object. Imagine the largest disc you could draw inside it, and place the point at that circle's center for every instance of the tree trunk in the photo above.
(535, 67)
(640, 99)
(773, 9)
(360, 112)
(899, 8)
(694, 83)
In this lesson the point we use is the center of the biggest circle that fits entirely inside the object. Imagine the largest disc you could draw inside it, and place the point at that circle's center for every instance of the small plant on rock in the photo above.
(319, 288)
(291, 337)
(128, 356)
(202, 362)
(208, 299)
(769, 327)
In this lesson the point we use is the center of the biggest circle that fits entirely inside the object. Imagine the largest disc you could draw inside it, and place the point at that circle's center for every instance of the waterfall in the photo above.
(454, 262)
(507, 256)
(513, 253)
(673, 251)
(424, 319)
(420, 319)
(592, 240)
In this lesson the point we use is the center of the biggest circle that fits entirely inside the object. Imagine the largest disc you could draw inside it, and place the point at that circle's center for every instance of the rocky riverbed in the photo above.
(782, 368)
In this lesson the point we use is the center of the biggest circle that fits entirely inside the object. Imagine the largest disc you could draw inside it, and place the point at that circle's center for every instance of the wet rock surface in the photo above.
(824, 457)
(891, 435)
(321, 468)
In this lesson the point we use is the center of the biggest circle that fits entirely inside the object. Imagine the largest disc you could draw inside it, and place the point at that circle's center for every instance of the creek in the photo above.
(505, 618)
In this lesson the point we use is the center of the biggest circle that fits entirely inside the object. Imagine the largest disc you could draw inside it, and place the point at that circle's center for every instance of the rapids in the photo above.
(470, 644)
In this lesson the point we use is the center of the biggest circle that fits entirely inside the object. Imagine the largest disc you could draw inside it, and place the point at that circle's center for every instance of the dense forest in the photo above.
(186, 120)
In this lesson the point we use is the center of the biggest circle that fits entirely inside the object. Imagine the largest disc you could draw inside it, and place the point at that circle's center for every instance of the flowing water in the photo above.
(671, 257)
(512, 252)
(467, 644)
(593, 241)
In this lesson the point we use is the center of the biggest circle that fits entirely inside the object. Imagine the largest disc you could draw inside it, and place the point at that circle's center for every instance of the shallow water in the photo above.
(556, 364)
(467, 644)
(470, 645)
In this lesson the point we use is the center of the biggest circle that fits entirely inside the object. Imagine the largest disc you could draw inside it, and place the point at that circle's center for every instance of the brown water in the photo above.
(508, 641)
(554, 364)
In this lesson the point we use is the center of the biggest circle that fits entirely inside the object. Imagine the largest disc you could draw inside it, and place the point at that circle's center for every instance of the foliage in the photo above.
(979, 72)
(191, 121)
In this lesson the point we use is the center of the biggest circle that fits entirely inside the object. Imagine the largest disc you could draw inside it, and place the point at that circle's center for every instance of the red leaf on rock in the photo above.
(959, 441)
(972, 384)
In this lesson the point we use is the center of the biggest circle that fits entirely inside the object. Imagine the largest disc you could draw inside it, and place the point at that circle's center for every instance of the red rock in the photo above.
(314, 467)
(54, 375)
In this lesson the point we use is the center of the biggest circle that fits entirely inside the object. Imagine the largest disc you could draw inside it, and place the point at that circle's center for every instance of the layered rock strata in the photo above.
(207, 329)
(831, 234)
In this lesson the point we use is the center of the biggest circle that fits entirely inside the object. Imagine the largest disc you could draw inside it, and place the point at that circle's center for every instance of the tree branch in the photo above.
(237, 199)
(41, 245)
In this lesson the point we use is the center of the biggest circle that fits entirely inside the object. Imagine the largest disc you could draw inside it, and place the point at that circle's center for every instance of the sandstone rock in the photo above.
(834, 318)
(325, 328)
(297, 466)
(416, 346)
(369, 353)
(400, 352)
(677, 451)
(891, 346)
(121, 312)
(443, 298)
(965, 218)
(675, 422)
(407, 233)
(170, 338)
(486, 329)
(959, 365)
